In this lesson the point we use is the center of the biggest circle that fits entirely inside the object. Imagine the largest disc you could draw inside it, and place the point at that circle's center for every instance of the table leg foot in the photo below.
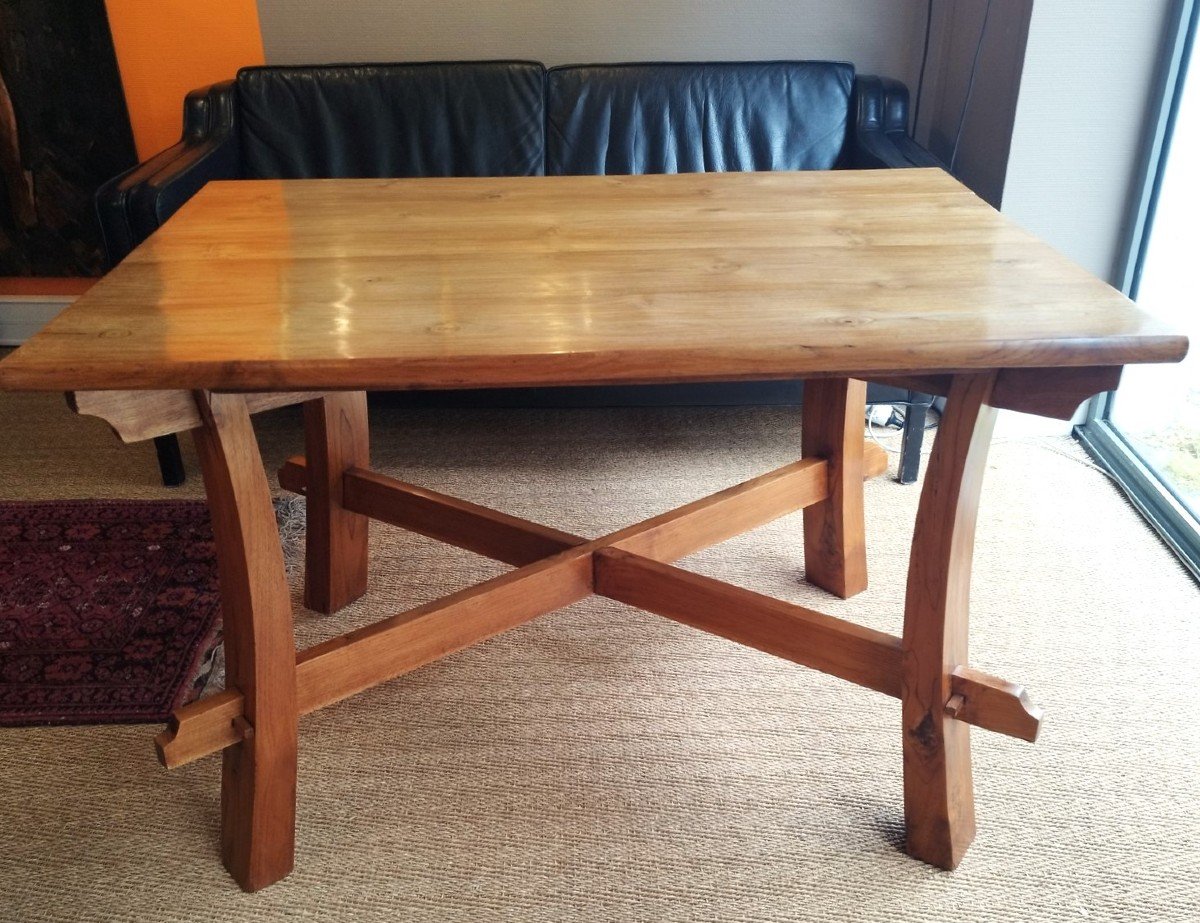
(336, 439)
(258, 813)
(835, 548)
(938, 797)
(258, 784)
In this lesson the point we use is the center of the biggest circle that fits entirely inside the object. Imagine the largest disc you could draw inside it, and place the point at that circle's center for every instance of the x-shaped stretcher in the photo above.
(269, 684)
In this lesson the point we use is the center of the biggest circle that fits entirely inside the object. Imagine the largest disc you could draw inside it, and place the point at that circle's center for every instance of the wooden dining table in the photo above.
(258, 294)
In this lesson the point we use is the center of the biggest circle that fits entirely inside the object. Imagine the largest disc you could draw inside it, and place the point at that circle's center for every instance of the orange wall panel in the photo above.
(167, 47)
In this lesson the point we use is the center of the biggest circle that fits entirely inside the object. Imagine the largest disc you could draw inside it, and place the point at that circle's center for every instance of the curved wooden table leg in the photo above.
(335, 439)
(258, 782)
(939, 808)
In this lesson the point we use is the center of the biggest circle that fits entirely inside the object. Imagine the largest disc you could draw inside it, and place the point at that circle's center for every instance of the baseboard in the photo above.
(24, 315)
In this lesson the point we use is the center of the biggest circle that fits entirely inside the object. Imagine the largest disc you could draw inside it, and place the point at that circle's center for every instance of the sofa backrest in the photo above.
(694, 118)
(439, 119)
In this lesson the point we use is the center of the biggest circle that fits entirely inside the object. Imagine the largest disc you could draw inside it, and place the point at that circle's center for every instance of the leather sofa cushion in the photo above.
(694, 118)
(437, 119)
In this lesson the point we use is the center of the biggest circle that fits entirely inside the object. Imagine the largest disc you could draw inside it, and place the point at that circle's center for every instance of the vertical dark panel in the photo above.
(64, 130)
(988, 120)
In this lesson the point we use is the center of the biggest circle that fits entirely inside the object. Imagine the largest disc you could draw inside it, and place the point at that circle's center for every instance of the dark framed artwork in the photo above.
(64, 130)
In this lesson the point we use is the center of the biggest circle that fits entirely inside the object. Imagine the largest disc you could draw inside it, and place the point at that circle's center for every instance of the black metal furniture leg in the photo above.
(910, 445)
(170, 460)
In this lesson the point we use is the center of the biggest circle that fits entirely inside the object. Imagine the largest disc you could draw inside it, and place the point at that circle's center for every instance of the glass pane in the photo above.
(1158, 407)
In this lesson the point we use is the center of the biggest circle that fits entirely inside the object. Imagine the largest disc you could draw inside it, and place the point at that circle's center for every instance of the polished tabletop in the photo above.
(421, 283)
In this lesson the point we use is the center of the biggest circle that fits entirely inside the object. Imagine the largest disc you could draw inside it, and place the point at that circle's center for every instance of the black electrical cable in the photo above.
(924, 64)
(962, 118)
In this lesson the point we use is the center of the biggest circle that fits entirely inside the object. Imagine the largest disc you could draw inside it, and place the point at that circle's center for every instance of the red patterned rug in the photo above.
(109, 611)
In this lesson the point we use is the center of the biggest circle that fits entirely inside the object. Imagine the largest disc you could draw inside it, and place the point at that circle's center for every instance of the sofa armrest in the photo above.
(879, 127)
(134, 204)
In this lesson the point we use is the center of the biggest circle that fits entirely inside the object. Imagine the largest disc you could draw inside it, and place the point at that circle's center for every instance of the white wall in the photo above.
(1090, 72)
(878, 36)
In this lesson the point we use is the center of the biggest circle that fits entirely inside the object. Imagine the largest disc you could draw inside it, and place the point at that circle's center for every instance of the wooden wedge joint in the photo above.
(205, 726)
(993, 704)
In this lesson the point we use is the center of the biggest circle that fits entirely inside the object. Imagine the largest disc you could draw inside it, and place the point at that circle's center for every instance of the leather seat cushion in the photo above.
(437, 119)
(693, 118)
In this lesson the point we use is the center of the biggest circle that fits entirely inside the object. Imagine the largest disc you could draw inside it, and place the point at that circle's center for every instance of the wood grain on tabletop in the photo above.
(276, 285)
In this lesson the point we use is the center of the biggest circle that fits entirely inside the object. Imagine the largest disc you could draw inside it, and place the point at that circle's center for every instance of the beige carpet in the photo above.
(603, 764)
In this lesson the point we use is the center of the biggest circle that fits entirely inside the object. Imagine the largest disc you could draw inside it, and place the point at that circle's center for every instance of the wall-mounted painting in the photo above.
(64, 130)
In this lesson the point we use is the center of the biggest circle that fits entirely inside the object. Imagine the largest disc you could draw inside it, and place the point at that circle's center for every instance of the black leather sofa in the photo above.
(516, 118)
